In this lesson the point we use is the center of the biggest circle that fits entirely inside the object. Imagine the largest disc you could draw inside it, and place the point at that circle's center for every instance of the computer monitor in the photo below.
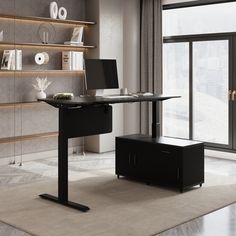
(101, 74)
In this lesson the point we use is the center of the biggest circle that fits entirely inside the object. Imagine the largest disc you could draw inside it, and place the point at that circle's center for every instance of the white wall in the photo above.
(131, 20)
(111, 47)
(116, 36)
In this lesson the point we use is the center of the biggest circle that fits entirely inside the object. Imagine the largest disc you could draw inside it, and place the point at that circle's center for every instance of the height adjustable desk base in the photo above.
(69, 204)
(73, 123)
(84, 117)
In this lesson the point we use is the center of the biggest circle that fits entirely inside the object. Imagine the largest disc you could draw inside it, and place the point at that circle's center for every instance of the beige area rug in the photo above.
(118, 207)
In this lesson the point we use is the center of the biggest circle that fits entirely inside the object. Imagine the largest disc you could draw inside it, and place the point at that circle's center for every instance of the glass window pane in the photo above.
(216, 18)
(210, 91)
(176, 81)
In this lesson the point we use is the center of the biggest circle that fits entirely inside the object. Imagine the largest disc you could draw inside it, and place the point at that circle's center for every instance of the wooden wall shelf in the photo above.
(49, 46)
(20, 43)
(21, 105)
(41, 71)
(23, 138)
(45, 19)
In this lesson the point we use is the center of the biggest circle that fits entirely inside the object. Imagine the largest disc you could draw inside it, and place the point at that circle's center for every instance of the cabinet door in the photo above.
(127, 157)
(161, 164)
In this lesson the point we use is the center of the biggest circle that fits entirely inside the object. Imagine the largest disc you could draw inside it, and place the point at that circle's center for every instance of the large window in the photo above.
(176, 81)
(200, 68)
(200, 19)
(210, 91)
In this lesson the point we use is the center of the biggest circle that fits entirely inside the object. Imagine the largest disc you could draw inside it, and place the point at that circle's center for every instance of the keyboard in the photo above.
(118, 96)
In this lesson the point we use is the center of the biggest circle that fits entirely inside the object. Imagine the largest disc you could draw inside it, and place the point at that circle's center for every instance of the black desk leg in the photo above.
(63, 172)
(155, 120)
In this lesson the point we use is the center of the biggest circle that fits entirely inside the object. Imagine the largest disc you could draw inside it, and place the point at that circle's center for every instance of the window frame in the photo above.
(194, 4)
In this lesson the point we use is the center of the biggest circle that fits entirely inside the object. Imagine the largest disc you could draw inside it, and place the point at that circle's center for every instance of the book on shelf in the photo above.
(66, 60)
(16, 63)
(73, 43)
(6, 60)
(72, 60)
(12, 60)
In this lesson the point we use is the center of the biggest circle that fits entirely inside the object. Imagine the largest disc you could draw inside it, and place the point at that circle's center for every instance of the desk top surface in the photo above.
(91, 100)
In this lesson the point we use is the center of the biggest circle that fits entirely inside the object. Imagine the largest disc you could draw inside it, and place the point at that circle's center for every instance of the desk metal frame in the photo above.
(69, 117)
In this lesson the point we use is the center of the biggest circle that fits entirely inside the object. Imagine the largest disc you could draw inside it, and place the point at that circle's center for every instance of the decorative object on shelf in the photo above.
(77, 37)
(45, 38)
(41, 58)
(46, 33)
(62, 13)
(53, 10)
(41, 86)
(63, 96)
(1, 35)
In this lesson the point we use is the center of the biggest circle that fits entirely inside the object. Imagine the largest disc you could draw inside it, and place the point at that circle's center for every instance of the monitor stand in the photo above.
(96, 92)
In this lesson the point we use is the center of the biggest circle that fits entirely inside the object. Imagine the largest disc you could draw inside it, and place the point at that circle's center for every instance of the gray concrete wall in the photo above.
(18, 87)
(116, 35)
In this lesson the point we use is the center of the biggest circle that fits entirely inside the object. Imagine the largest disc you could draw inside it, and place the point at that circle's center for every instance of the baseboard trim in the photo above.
(220, 154)
(54, 153)
(33, 156)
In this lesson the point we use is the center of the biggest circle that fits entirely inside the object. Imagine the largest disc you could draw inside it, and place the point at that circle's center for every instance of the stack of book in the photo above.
(72, 60)
(74, 43)
(12, 60)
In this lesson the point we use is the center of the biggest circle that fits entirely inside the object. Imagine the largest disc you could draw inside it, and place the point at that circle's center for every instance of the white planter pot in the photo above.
(53, 10)
(41, 95)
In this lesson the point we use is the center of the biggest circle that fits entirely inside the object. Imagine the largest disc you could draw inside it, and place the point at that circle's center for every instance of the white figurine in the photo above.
(62, 13)
(77, 35)
(53, 10)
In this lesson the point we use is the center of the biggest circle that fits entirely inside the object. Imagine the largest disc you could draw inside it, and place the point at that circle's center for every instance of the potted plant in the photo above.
(41, 86)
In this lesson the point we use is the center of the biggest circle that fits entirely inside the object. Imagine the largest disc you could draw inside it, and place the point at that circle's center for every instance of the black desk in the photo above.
(83, 117)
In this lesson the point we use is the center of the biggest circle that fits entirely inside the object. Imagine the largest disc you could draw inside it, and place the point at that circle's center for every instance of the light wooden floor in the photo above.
(7, 230)
(219, 223)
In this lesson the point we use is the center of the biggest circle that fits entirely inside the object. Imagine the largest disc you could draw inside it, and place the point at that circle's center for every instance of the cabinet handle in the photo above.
(166, 152)
(230, 92)
(233, 95)
(135, 160)
(129, 158)
(178, 173)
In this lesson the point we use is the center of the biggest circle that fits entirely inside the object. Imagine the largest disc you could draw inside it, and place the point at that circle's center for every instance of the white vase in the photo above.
(41, 95)
(62, 13)
(53, 10)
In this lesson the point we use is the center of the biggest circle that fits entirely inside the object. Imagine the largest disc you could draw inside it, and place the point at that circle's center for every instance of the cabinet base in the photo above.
(164, 161)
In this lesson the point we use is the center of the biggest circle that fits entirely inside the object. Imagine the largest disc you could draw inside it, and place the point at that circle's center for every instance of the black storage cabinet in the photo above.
(166, 161)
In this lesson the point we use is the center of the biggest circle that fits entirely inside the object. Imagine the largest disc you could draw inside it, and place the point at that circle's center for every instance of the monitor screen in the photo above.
(101, 74)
